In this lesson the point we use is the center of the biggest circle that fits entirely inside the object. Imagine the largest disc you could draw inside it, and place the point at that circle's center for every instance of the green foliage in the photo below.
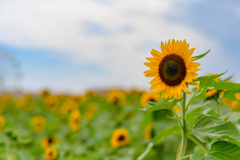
(218, 85)
(209, 77)
(201, 55)
(209, 128)
(220, 150)
(151, 106)
(172, 130)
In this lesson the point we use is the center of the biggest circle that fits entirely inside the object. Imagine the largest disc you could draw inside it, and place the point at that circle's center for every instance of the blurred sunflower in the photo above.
(2, 122)
(120, 138)
(38, 123)
(5, 97)
(45, 93)
(89, 94)
(135, 92)
(237, 95)
(90, 110)
(230, 103)
(177, 109)
(68, 107)
(51, 102)
(116, 97)
(148, 96)
(48, 141)
(50, 153)
(75, 120)
(211, 93)
(148, 131)
(78, 99)
(25, 102)
(173, 69)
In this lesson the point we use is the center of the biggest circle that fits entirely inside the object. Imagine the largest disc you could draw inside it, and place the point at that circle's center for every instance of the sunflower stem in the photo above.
(184, 129)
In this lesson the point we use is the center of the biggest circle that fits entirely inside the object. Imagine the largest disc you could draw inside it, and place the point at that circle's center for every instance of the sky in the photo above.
(76, 45)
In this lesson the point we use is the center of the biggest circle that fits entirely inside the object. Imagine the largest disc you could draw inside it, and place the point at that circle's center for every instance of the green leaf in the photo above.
(228, 78)
(201, 55)
(172, 130)
(218, 85)
(25, 155)
(230, 94)
(234, 117)
(208, 128)
(151, 106)
(220, 150)
(208, 77)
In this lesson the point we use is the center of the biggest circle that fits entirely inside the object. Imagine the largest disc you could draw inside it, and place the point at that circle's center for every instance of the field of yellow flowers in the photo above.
(101, 126)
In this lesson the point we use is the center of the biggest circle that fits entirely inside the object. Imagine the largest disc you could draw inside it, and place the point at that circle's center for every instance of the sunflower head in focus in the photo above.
(148, 96)
(38, 123)
(172, 68)
(48, 141)
(116, 97)
(50, 153)
(120, 138)
(74, 120)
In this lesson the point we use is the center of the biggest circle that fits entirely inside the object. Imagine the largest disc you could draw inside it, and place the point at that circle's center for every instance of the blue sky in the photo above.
(72, 46)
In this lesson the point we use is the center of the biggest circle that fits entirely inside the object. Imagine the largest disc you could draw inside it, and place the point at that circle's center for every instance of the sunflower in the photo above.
(38, 123)
(44, 93)
(173, 69)
(51, 102)
(210, 93)
(228, 102)
(148, 96)
(148, 131)
(2, 122)
(237, 95)
(50, 153)
(90, 110)
(75, 120)
(177, 109)
(69, 106)
(116, 97)
(48, 141)
(120, 138)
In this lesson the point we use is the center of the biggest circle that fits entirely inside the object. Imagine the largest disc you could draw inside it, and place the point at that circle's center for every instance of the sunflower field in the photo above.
(186, 117)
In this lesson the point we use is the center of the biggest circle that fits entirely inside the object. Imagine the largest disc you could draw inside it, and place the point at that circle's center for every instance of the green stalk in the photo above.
(184, 129)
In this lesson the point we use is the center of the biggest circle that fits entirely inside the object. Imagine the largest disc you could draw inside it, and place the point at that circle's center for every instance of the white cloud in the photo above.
(58, 25)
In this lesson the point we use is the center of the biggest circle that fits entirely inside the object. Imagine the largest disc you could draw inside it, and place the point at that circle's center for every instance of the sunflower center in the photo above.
(115, 100)
(172, 70)
(121, 138)
(152, 100)
(50, 140)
